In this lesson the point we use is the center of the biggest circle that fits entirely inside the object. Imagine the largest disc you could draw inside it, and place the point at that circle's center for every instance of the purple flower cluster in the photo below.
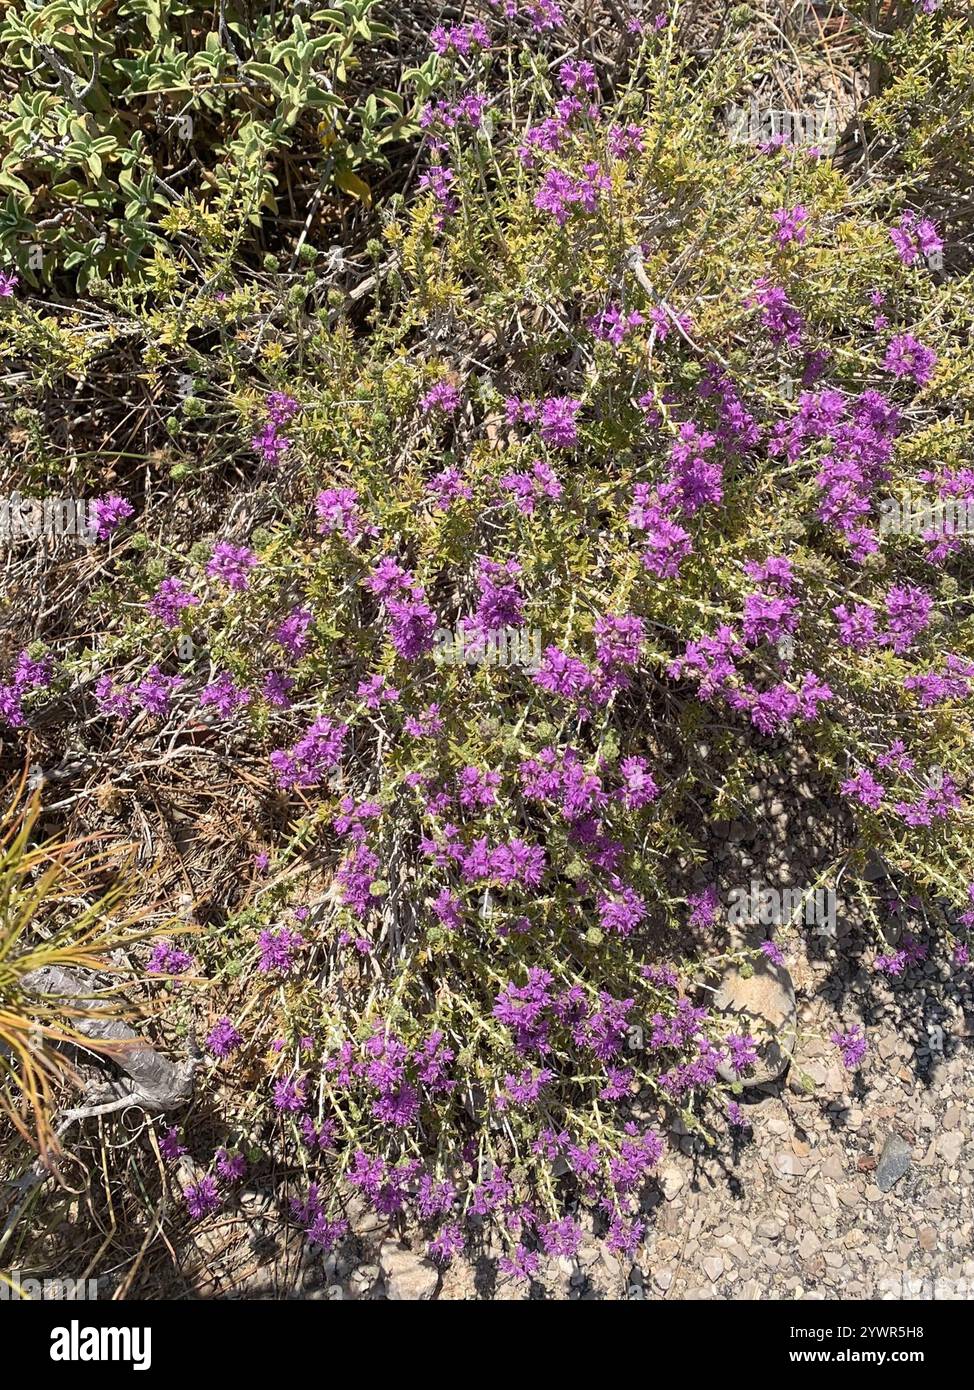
(231, 564)
(783, 322)
(315, 754)
(907, 357)
(560, 192)
(166, 959)
(169, 600)
(338, 510)
(914, 237)
(852, 1045)
(109, 513)
(28, 675)
(223, 1038)
(861, 435)
(460, 39)
(411, 620)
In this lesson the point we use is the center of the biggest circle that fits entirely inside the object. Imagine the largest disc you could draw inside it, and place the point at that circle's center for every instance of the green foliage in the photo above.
(118, 113)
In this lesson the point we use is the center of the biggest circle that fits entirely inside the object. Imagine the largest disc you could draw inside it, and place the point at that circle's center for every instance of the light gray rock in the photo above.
(670, 1178)
(949, 1146)
(409, 1278)
(764, 1003)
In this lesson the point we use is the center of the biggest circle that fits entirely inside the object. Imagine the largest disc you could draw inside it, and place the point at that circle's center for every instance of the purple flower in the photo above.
(529, 488)
(169, 600)
(773, 952)
(278, 950)
(428, 725)
(398, 1106)
(662, 975)
(170, 1147)
(439, 181)
(524, 1087)
(326, 1234)
(852, 1045)
(667, 544)
(524, 1009)
(292, 632)
(934, 689)
(578, 76)
(290, 1094)
(909, 610)
(355, 878)
(231, 1167)
(223, 1038)
(906, 356)
(792, 225)
(864, 788)
(28, 675)
(618, 1084)
(110, 512)
(320, 1137)
(618, 640)
(447, 1242)
(558, 427)
(375, 690)
(447, 487)
(625, 140)
(477, 789)
(167, 960)
(857, 625)
(316, 753)
(560, 192)
(896, 758)
(202, 1198)
(915, 236)
(231, 563)
(412, 624)
(780, 317)
(460, 38)
(113, 699)
(155, 691)
(625, 1234)
(768, 619)
(612, 324)
(936, 802)
(563, 675)
(621, 912)
(281, 408)
(270, 445)
(443, 397)
(522, 1264)
(893, 964)
(743, 1051)
(442, 115)
(448, 909)
(639, 788)
(638, 1154)
(338, 510)
(276, 689)
(499, 599)
(224, 695)
(703, 906)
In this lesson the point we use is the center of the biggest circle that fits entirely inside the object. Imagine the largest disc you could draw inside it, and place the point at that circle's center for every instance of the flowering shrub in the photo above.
(645, 391)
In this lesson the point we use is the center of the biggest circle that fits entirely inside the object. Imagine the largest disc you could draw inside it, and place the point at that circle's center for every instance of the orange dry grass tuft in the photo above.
(54, 911)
